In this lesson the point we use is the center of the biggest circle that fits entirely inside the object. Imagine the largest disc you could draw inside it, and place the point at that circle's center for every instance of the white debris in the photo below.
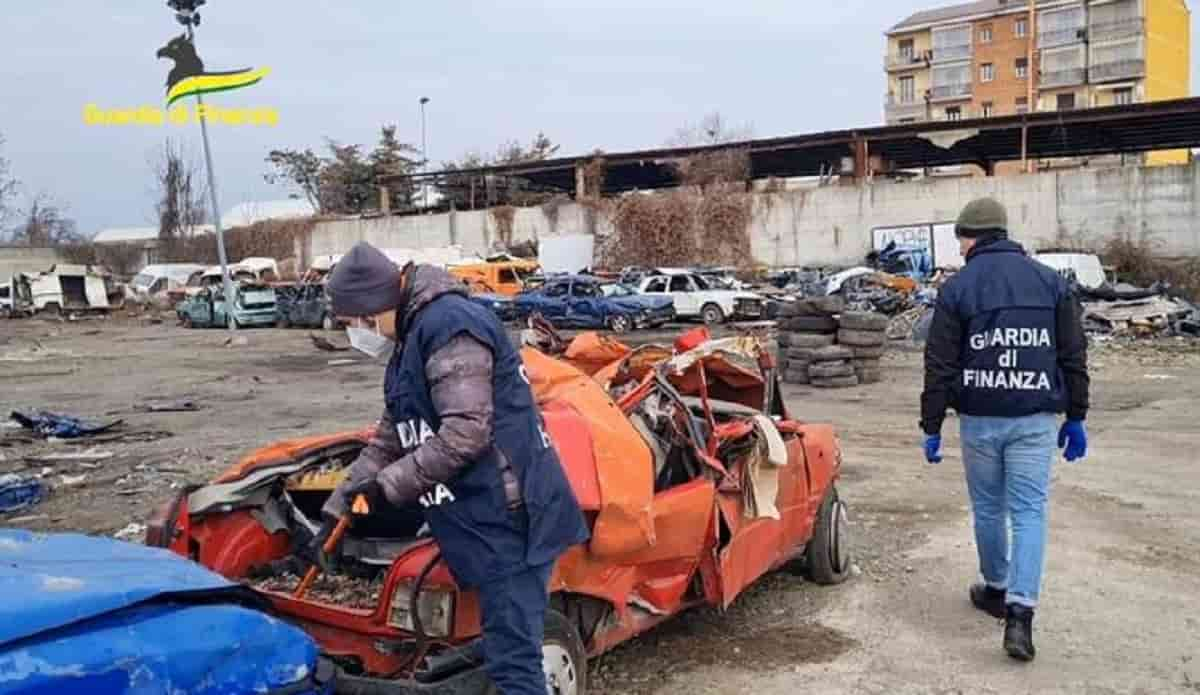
(133, 530)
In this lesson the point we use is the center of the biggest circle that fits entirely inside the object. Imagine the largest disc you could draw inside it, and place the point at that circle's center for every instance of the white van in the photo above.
(1086, 267)
(16, 298)
(162, 278)
(70, 288)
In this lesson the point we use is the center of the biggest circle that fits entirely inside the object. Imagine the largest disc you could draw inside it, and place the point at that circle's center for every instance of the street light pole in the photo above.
(185, 12)
(424, 157)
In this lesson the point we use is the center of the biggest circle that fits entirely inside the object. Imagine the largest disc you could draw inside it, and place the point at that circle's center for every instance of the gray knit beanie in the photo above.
(982, 217)
(364, 283)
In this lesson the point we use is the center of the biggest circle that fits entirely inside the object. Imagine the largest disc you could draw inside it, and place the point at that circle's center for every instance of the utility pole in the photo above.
(424, 157)
(185, 12)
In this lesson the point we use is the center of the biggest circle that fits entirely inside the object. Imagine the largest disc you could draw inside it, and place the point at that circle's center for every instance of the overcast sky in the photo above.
(611, 74)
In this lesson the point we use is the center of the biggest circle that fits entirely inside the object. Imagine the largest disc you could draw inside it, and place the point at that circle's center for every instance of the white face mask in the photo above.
(370, 342)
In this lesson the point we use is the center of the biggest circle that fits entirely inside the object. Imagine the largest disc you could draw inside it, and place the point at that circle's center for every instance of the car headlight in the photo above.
(435, 607)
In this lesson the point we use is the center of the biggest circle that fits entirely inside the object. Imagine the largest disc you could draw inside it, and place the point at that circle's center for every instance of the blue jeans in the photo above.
(514, 613)
(1008, 464)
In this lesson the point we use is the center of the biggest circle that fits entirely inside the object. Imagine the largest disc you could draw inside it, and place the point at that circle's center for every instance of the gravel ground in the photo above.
(1123, 577)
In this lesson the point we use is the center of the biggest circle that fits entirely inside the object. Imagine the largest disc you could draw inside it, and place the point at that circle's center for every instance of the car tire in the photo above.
(827, 557)
(863, 321)
(809, 340)
(868, 375)
(873, 352)
(816, 306)
(833, 353)
(283, 323)
(328, 323)
(712, 314)
(810, 324)
(796, 375)
(801, 354)
(861, 338)
(564, 659)
(53, 309)
(837, 382)
(830, 370)
(619, 324)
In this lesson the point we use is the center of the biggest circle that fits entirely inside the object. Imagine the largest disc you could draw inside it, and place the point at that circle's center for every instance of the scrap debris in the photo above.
(168, 407)
(324, 344)
(334, 589)
(18, 492)
(48, 424)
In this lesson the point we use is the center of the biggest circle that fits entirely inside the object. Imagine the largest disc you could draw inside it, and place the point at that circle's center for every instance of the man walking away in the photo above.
(1007, 351)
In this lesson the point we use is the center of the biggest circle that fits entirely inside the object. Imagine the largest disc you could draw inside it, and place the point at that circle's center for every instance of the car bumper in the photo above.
(472, 681)
(256, 318)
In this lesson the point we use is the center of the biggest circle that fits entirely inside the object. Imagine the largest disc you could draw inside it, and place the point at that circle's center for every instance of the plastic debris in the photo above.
(60, 426)
(132, 531)
(17, 493)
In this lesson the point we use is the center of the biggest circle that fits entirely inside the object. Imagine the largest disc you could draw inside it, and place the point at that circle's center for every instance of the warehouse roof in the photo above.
(1161, 125)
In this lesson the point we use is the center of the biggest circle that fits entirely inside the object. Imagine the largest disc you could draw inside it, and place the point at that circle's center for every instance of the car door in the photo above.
(683, 292)
(585, 307)
(551, 301)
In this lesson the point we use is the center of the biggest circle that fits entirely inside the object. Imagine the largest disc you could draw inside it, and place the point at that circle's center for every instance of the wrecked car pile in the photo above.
(693, 477)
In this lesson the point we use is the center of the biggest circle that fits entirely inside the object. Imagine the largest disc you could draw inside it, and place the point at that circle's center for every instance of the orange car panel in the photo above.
(624, 465)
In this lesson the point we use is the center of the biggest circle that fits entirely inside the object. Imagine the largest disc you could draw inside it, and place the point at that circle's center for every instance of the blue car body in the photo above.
(581, 301)
(98, 616)
(504, 307)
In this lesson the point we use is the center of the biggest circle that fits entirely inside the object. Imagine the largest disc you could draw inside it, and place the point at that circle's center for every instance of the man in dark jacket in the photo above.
(1007, 351)
(461, 436)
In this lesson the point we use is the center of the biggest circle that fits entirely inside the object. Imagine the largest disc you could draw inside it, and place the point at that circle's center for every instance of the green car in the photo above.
(254, 305)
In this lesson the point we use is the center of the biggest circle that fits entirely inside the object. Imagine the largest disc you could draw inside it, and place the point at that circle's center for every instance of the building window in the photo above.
(987, 72)
(908, 90)
(987, 109)
(985, 33)
(1066, 102)
(1022, 105)
(954, 113)
(906, 48)
(1021, 28)
(1123, 97)
(1022, 66)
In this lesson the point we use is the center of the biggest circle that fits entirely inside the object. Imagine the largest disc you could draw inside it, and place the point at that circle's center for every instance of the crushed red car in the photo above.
(693, 477)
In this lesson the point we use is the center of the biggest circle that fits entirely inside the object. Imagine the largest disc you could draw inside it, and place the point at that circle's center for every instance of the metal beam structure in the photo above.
(1133, 128)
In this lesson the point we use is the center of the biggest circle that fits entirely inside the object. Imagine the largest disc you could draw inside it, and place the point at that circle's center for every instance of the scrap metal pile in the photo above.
(1123, 310)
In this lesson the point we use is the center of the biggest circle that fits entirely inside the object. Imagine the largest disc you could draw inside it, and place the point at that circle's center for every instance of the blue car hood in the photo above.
(66, 578)
(99, 616)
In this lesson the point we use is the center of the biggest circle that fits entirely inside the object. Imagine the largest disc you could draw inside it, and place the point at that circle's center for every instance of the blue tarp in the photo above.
(82, 614)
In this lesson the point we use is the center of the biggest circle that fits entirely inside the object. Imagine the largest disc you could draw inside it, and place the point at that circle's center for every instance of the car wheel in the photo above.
(52, 309)
(564, 660)
(827, 557)
(283, 323)
(327, 323)
(712, 314)
(619, 324)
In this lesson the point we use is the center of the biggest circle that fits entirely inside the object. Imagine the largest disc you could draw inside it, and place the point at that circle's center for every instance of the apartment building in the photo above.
(1003, 57)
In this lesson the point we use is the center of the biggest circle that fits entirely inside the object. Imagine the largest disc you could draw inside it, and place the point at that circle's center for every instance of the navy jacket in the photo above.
(481, 537)
(1007, 340)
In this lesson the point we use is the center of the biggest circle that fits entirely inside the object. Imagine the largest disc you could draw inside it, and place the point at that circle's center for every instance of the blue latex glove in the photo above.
(1073, 436)
(933, 448)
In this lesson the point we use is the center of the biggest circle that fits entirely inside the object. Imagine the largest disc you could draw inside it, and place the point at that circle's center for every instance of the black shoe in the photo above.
(988, 600)
(1018, 633)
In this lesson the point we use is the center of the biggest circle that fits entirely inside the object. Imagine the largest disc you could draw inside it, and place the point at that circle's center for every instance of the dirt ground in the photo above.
(1122, 586)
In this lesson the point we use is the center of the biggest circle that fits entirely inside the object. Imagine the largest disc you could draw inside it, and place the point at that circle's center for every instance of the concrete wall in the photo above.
(833, 224)
(23, 259)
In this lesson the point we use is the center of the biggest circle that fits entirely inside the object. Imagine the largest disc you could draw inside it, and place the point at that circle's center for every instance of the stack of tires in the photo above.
(806, 326)
(864, 335)
(833, 368)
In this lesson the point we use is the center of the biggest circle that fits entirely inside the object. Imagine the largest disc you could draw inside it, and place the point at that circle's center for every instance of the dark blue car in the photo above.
(582, 301)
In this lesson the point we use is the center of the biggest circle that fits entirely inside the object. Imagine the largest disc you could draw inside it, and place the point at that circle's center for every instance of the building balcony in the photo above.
(1111, 31)
(1063, 78)
(906, 61)
(896, 110)
(950, 92)
(1061, 37)
(1117, 70)
(949, 54)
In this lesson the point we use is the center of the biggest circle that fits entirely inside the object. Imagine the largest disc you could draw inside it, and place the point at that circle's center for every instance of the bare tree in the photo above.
(712, 129)
(45, 223)
(8, 187)
(179, 192)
